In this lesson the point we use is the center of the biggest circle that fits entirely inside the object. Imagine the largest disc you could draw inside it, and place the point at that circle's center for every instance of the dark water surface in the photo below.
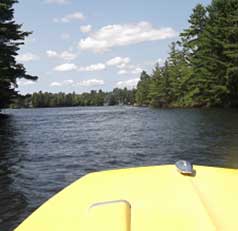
(44, 150)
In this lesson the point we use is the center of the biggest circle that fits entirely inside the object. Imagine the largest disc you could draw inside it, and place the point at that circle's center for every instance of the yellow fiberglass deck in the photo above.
(143, 199)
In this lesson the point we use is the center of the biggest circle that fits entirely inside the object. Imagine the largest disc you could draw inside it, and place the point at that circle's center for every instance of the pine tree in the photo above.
(191, 36)
(223, 41)
(11, 37)
(193, 42)
(156, 87)
(142, 94)
(215, 63)
(212, 40)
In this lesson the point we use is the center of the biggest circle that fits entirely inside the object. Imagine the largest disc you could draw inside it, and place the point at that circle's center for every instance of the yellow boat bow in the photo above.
(143, 199)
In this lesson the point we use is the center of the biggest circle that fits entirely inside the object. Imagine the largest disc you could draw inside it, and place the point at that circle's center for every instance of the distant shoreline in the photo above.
(125, 105)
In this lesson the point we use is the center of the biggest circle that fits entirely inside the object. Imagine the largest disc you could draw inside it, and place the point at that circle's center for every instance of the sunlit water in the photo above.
(44, 150)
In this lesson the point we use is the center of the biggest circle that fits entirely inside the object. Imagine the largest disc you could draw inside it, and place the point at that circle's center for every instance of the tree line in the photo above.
(94, 98)
(202, 66)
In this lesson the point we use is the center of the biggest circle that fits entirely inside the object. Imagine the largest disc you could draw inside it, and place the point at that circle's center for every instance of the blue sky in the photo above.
(82, 45)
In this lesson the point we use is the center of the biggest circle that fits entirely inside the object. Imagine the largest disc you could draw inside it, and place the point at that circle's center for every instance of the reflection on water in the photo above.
(43, 150)
(12, 202)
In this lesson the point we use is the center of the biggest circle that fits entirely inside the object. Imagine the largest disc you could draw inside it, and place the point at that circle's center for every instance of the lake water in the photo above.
(44, 150)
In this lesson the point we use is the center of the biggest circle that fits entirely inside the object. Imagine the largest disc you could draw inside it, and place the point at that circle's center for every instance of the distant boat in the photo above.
(144, 199)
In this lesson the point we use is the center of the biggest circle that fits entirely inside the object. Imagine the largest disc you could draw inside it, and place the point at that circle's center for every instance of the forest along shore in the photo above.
(201, 69)
(94, 98)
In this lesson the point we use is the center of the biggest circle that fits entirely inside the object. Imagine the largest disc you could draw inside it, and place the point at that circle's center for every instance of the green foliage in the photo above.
(94, 98)
(202, 67)
(11, 37)
(142, 94)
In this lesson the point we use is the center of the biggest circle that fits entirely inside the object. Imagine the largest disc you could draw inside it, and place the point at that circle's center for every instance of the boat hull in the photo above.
(139, 199)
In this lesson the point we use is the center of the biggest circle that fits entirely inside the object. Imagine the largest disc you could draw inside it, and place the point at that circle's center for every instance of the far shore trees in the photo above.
(93, 98)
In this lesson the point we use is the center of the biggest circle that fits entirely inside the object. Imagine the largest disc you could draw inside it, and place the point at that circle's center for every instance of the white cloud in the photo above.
(91, 83)
(115, 35)
(85, 28)
(131, 83)
(93, 67)
(122, 72)
(65, 55)
(68, 82)
(21, 82)
(70, 17)
(51, 53)
(66, 67)
(74, 16)
(64, 83)
(118, 61)
(124, 65)
(134, 71)
(60, 2)
(56, 84)
(82, 83)
(27, 57)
